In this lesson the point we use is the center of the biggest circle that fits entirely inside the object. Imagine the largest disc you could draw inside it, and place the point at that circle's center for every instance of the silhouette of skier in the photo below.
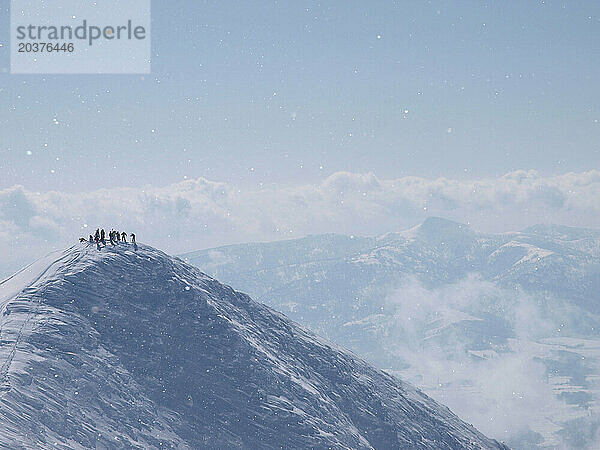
(124, 236)
(118, 236)
(97, 235)
(111, 235)
(91, 239)
(132, 237)
(103, 236)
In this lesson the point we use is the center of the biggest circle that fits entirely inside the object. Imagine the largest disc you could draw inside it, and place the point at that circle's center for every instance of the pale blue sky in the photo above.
(253, 92)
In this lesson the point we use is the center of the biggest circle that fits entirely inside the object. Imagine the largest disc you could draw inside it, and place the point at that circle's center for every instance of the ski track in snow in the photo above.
(68, 257)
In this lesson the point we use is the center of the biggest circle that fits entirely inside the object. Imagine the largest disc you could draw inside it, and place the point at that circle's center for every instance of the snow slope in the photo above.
(125, 348)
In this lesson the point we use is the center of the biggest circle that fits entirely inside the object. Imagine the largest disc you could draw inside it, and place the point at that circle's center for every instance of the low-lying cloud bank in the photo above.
(200, 213)
(496, 374)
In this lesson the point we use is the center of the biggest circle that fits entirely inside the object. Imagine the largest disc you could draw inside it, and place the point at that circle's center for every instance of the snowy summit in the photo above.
(135, 349)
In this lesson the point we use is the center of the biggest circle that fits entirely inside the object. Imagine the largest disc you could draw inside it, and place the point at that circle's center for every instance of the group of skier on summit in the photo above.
(114, 237)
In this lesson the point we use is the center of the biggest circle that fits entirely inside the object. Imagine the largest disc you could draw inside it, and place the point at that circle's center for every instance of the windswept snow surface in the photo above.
(124, 348)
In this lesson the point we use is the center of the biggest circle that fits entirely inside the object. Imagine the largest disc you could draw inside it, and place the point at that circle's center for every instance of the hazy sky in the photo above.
(291, 92)
(270, 120)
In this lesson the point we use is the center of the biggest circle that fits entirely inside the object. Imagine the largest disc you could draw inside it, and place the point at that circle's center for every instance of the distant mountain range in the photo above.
(501, 327)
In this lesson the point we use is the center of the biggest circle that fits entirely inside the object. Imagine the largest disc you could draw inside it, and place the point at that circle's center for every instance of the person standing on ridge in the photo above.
(91, 239)
(118, 236)
(132, 237)
(124, 236)
(111, 236)
(102, 236)
(97, 235)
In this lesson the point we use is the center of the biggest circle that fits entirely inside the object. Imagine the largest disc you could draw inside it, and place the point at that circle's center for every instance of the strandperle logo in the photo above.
(85, 32)
(80, 36)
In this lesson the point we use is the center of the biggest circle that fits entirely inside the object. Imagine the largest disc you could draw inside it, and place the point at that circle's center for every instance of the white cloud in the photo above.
(200, 213)
(493, 375)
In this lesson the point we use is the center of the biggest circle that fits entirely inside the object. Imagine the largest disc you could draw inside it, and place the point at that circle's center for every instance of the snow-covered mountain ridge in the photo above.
(134, 349)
